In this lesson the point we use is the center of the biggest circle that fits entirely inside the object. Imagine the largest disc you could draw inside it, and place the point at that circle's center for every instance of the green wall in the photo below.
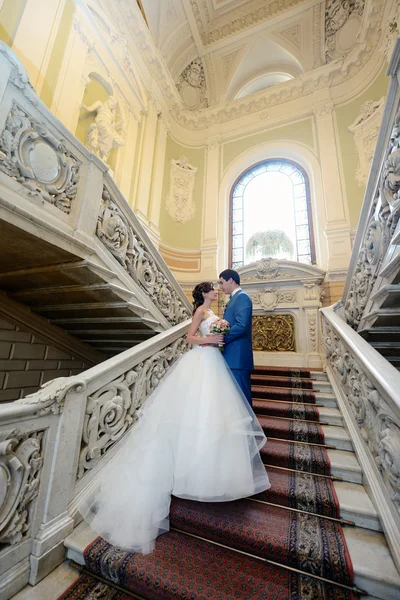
(296, 132)
(345, 116)
(183, 235)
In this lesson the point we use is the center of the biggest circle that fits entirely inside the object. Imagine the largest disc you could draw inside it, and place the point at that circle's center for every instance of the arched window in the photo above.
(270, 214)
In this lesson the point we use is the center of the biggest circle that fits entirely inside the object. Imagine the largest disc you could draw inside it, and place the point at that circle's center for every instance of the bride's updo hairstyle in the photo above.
(197, 293)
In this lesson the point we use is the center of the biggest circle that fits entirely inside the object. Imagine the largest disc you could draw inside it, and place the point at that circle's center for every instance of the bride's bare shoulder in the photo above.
(200, 313)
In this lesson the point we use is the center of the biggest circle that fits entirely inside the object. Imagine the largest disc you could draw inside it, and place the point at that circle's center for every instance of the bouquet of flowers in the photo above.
(220, 326)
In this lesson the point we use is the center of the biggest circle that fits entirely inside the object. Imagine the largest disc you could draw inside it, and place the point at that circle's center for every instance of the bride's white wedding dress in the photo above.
(196, 438)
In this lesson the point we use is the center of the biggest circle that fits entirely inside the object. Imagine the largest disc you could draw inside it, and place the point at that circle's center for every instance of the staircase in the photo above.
(316, 509)
(73, 252)
(371, 299)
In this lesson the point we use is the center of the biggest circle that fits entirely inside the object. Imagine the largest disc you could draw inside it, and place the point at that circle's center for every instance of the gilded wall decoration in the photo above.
(192, 85)
(180, 203)
(21, 462)
(274, 333)
(33, 156)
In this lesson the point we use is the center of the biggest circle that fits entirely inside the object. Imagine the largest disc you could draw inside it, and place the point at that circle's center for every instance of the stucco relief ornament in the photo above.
(192, 86)
(365, 130)
(180, 202)
(37, 159)
(342, 22)
(104, 133)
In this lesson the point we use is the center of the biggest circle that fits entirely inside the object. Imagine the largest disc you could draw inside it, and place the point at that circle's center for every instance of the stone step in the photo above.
(356, 505)
(318, 376)
(374, 569)
(345, 464)
(326, 399)
(332, 416)
(338, 437)
(52, 586)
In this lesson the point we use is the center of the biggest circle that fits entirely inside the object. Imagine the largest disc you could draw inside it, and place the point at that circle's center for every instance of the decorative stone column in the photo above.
(209, 227)
(129, 153)
(146, 163)
(337, 229)
(72, 81)
(163, 128)
(35, 43)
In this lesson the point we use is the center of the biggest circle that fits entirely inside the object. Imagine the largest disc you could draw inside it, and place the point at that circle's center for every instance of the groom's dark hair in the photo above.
(228, 273)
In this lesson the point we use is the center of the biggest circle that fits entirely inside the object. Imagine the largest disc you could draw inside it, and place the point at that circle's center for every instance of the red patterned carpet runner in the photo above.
(239, 550)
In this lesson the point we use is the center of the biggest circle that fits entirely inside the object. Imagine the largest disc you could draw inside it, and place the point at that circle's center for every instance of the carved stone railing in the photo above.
(376, 254)
(367, 388)
(52, 444)
(50, 182)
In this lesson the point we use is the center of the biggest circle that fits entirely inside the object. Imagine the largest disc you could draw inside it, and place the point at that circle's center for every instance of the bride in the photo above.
(196, 438)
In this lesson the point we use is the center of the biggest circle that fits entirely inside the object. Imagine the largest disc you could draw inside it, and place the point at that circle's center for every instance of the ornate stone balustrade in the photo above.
(368, 391)
(53, 187)
(376, 253)
(51, 443)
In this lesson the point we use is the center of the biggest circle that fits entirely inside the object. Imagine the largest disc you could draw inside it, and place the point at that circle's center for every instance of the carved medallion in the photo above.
(38, 160)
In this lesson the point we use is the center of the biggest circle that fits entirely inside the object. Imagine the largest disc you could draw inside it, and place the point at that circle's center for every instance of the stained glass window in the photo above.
(270, 214)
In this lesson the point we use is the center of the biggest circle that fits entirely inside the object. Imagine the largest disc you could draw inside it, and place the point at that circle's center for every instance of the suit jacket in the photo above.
(238, 351)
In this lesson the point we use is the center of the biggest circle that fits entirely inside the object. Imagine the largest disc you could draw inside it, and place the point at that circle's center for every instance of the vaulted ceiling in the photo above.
(220, 50)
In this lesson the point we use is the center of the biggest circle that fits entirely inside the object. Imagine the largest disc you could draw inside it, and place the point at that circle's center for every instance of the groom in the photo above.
(238, 351)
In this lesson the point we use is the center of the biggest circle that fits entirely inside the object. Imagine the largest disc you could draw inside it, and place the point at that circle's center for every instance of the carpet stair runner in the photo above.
(261, 547)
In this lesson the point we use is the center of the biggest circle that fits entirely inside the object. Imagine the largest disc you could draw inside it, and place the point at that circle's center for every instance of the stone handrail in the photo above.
(367, 387)
(50, 180)
(376, 253)
(51, 443)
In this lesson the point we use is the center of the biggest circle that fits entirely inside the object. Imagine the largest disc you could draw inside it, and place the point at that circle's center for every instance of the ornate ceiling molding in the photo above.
(333, 74)
(240, 19)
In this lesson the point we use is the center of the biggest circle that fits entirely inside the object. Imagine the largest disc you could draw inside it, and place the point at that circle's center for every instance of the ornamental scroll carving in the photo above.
(50, 398)
(379, 426)
(384, 217)
(274, 333)
(38, 160)
(119, 237)
(268, 268)
(342, 22)
(112, 410)
(269, 298)
(180, 202)
(21, 462)
(19, 76)
(365, 130)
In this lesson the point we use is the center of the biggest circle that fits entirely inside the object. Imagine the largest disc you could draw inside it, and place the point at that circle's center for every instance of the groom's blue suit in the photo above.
(238, 351)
